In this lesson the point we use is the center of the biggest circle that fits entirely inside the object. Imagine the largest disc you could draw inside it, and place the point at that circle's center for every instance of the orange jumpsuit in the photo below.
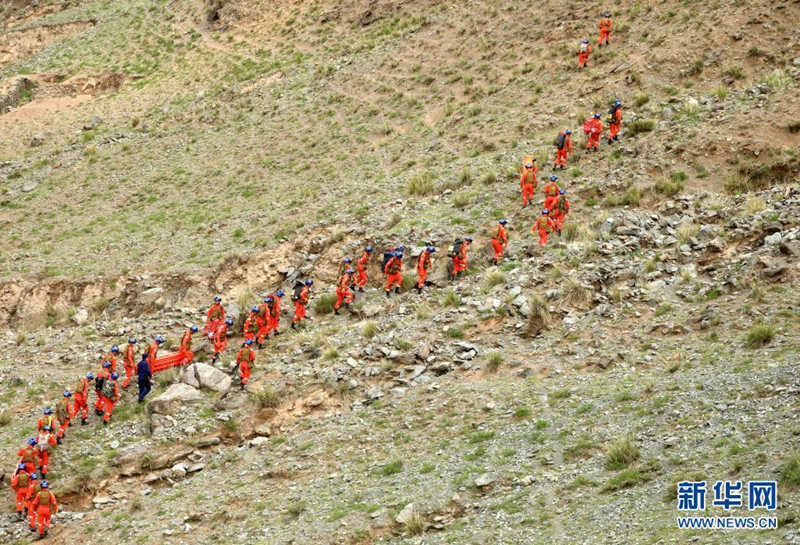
(214, 316)
(47, 420)
(63, 412)
(594, 129)
(220, 338)
(274, 314)
(33, 489)
(27, 456)
(361, 265)
(80, 398)
(101, 376)
(111, 358)
(251, 326)
(550, 195)
(560, 209)
(460, 259)
(499, 243)
(562, 152)
(394, 273)
(343, 293)
(605, 30)
(152, 353)
(109, 400)
(44, 441)
(583, 56)
(44, 504)
(244, 359)
(423, 266)
(300, 304)
(130, 365)
(262, 319)
(528, 182)
(544, 225)
(186, 345)
(615, 124)
(19, 483)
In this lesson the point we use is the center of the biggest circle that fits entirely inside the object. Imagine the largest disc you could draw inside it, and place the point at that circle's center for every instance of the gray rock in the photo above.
(152, 296)
(485, 479)
(406, 514)
(173, 397)
(207, 377)
(29, 186)
(81, 316)
(37, 140)
(374, 392)
(773, 239)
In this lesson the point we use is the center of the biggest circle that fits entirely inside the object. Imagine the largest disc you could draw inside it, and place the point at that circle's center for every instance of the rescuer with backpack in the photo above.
(499, 240)
(551, 193)
(424, 264)
(593, 128)
(583, 54)
(614, 121)
(563, 148)
(343, 292)
(560, 210)
(544, 225)
(301, 297)
(605, 29)
(394, 272)
(528, 180)
(361, 265)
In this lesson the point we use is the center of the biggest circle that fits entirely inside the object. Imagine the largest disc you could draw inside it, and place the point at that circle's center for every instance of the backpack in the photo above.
(108, 389)
(584, 48)
(298, 287)
(561, 140)
(387, 255)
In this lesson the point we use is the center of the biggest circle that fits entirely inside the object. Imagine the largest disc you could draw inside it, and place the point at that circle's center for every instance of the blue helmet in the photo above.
(48, 410)
(248, 341)
(606, 14)
(350, 270)
(21, 466)
(279, 293)
(159, 339)
(368, 249)
(44, 484)
(585, 41)
(115, 349)
(48, 428)
(567, 131)
(193, 329)
(217, 298)
(430, 249)
(34, 475)
(106, 364)
(31, 442)
(398, 255)
(229, 321)
(528, 165)
(269, 299)
(401, 249)
(468, 239)
(553, 178)
(545, 212)
(597, 116)
(254, 309)
(67, 394)
(348, 260)
(131, 341)
(90, 376)
(562, 191)
(502, 221)
(617, 102)
(309, 282)
(114, 376)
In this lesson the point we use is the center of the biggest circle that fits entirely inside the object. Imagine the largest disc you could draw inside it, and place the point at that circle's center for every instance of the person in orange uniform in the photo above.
(274, 316)
(221, 339)
(583, 54)
(560, 210)
(563, 148)
(544, 225)
(593, 128)
(361, 265)
(47, 419)
(300, 303)
(64, 415)
(44, 504)
(605, 29)
(111, 356)
(19, 484)
(186, 342)
(528, 182)
(214, 317)
(34, 487)
(614, 121)
(394, 273)
(262, 319)
(152, 351)
(27, 455)
(551, 193)
(424, 264)
(102, 375)
(80, 403)
(460, 258)
(250, 329)
(44, 443)
(130, 363)
(343, 293)
(244, 359)
(110, 396)
(499, 240)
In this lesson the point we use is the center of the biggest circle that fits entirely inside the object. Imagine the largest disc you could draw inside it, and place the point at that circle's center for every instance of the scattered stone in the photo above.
(81, 316)
(175, 396)
(484, 480)
(406, 514)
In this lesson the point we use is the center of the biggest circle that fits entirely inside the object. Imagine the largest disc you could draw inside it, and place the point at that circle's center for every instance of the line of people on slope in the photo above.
(584, 49)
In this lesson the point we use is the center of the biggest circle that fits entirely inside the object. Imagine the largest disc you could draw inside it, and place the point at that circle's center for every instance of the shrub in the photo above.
(759, 335)
(462, 199)
(369, 329)
(494, 278)
(421, 184)
(267, 397)
(575, 294)
(571, 232)
(494, 361)
(721, 92)
(790, 471)
(5, 419)
(632, 197)
(451, 299)
(393, 467)
(324, 303)
(455, 333)
(641, 99)
(687, 230)
(626, 479)
(415, 525)
(754, 205)
(640, 126)
(621, 454)
(736, 72)
(539, 318)
(668, 187)
(490, 178)
(294, 509)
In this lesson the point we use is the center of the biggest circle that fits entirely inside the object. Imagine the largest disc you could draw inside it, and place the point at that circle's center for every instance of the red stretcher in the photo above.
(173, 360)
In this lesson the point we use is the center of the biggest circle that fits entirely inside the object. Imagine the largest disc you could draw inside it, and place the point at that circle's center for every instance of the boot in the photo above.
(214, 359)
(397, 290)
(105, 422)
(387, 294)
(336, 311)
(294, 324)
(610, 141)
(244, 386)
(419, 289)
(260, 345)
(616, 137)
(361, 289)
(83, 422)
(277, 333)
(58, 440)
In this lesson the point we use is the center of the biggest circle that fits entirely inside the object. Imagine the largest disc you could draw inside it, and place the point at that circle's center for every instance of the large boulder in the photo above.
(175, 396)
(201, 375)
